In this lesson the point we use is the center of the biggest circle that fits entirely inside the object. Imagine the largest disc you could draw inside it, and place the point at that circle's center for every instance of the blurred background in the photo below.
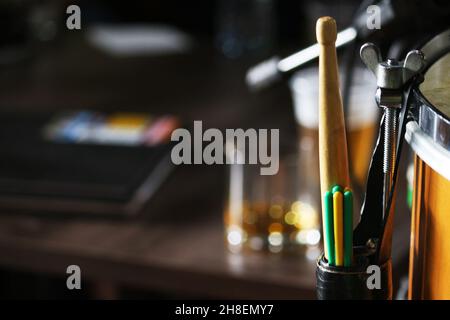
(86, 117)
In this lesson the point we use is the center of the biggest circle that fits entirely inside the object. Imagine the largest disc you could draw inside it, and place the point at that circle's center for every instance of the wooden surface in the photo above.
(332, 139)
(333, 157)
(183, 259)
(430, 241)
(430, 237)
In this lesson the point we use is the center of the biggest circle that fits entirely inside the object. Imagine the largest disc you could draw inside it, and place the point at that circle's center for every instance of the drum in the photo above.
(429, 137)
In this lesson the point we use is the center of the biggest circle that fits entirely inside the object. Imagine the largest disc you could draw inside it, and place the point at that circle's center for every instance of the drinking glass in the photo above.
(272, 213)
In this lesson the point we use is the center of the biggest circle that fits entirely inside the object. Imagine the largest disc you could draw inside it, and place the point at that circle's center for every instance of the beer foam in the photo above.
(363, 110)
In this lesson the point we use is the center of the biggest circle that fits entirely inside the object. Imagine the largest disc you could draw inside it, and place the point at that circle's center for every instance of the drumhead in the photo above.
(430, 104)
(436, 86)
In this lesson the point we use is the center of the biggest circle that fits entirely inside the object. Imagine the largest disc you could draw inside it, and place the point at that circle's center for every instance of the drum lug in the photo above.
(389, 98)
(392, 75)
(371, 56)
(413, 64)
(393, 81)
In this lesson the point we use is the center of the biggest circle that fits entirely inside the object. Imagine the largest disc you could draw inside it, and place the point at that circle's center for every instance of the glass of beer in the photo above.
(361, 113)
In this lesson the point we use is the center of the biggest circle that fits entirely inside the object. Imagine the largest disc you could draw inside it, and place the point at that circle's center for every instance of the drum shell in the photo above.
(429, 270)
(429, 137)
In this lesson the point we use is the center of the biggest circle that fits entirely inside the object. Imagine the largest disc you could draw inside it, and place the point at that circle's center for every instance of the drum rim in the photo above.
(425, 101)
(431, 120)
(432, 154)
(420, 94)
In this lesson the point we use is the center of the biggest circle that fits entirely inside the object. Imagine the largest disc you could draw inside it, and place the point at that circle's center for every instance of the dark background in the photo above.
(174, 248)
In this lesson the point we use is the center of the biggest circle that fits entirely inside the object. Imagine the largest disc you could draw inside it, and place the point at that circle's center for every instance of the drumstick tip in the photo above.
(326, 30)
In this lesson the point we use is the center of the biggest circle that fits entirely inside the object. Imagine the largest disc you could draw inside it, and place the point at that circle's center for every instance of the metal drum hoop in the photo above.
(429, 133)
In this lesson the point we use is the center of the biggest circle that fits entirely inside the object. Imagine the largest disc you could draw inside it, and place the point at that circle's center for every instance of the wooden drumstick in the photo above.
(333, 158)
(332, 139)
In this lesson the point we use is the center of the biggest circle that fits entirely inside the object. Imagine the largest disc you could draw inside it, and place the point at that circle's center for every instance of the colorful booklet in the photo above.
(83, 162)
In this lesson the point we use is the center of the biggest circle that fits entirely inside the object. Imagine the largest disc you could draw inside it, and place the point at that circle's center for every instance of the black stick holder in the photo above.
(350, 283)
